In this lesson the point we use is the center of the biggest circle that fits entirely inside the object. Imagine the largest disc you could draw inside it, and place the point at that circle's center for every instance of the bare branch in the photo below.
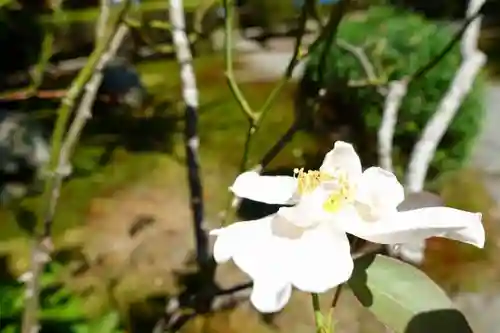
(397, 90)
(190, 95)
(473, 61)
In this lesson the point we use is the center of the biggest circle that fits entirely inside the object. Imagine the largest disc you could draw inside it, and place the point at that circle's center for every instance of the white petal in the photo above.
(255, 248)
(322, 259)
(418, 224)
(343, 157)
(278, 190)
(263, 254)
(380, 192)
(268, 296)
(242, 239)
(229, 240)
(309, 210)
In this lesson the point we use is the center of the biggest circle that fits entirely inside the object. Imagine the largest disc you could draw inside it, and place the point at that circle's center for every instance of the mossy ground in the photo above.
(102, 168)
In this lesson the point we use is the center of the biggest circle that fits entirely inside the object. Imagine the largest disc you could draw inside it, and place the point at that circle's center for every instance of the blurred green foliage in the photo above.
(397, 43)
(62, 310)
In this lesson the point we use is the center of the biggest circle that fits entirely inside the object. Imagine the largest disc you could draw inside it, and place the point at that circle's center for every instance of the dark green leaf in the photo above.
(404, 298)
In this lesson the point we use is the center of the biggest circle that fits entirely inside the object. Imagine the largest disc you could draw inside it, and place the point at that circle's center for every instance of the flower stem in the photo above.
(318, 317)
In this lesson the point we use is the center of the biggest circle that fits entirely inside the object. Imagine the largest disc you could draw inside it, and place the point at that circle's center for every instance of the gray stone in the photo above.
(24, 151)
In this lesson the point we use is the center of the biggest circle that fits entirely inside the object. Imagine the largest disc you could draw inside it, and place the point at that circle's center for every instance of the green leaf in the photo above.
(107, 324)
(404, 298)
(9, 329)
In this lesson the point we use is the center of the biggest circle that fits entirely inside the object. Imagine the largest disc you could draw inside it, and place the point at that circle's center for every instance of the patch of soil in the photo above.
(144, 231)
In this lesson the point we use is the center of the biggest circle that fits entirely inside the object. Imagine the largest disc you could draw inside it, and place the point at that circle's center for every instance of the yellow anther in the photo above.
(341, 190)
(308, 181)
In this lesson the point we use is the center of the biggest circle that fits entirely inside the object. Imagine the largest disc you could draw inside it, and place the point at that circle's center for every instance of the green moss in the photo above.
(76, 194)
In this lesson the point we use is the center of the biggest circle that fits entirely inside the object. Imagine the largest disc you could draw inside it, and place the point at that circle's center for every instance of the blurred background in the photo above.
(122, 231)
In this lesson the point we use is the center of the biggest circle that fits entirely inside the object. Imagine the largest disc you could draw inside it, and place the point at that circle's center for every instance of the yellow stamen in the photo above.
(342, 191)
(342, 196)
(308, 181)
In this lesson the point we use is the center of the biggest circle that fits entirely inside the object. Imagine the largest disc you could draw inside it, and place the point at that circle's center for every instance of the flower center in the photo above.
(342, 193)
(310, 180)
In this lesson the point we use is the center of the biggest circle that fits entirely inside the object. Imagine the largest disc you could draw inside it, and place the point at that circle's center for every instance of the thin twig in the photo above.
(229, 71)
(233, 202)
(190, 96)
(365, 63)
(296, 57)
(43, 245)
(470, 18)
(361, 56)
(279, 145)
(39, 69)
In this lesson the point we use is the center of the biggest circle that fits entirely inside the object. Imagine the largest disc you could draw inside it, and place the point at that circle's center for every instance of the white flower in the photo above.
(306, 245)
